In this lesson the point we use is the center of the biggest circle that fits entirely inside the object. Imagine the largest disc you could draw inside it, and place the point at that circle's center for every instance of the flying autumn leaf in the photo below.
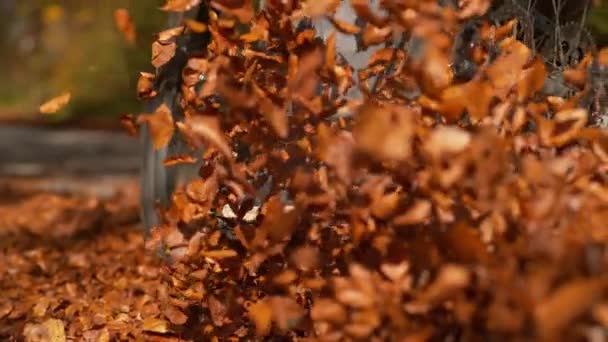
(162, 53)
(161, 126)
(179, 159)
(168, 34)
(125, 25)
(243, 10)
(384, 132)
(180, 5)
(202, 129)
(145, 86)
(55, 104)
(195, 26)
(344, 26)
(128, 122)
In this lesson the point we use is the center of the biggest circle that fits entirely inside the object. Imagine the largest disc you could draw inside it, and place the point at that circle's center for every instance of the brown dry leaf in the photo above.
(330, 52)
(304, 77)
(325, 309)
(602, 57)
(384, 132)
(220, 253)
(242, 10)
(261, 314)
(280, 220)
(125, 24)
(453, 102)
(336, 150)
(167, 35)
(52, 330)
(195, 26)
(55, 104)
(175, 316)
(385, 55)
(471, 8)
(344, 26)
(180, 159)
(145, 86)
(532, 80)
(506, 71)
(286, 312)
(180, 5)
(504, 31)
(259, 31)
(129, 122)
(564, 305)
(315, 9)
(467, 244)
(162, 53)
(306, 258)
(564, 128)
(5, 310)
(578, 75)
(478, 96)
(207, 129)
(447, 140)
(450, 279)
(155, 325)
(384, 207)
(436, 71)
(276, 116)
(218, 311)
(99, 335)
(417, 214)
(160, 124)
(373, 35)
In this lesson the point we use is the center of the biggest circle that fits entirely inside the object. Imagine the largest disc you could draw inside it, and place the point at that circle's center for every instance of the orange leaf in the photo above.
(206, 128)
(145, 85)
(532, 80)
(261, 315)
(195, 26)
(55, 104)
(276, 116)
(344, 26)
(374, 35)
(168, 34)
(162, 53)
(330, 52)
(180, 5)
(244, 13)
(384, 132)
(125, 24)
(161, 126)
(179, 159)
(128, 122)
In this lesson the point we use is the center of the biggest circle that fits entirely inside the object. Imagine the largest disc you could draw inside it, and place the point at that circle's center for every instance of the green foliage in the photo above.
(598, 18)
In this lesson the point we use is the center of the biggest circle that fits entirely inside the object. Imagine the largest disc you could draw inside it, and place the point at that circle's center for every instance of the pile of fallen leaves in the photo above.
(73, 266)
(438, 205)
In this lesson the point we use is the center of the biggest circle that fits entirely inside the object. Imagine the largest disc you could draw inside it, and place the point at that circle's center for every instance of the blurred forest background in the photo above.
(49, 47)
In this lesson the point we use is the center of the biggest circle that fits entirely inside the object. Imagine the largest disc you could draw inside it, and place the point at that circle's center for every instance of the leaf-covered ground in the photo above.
(74, 268)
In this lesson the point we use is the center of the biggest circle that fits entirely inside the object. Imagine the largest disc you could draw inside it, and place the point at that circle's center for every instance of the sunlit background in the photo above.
(50, 47)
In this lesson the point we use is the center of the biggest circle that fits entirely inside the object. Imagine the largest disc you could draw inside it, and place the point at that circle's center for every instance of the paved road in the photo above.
(34, 159)
(36, 151)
